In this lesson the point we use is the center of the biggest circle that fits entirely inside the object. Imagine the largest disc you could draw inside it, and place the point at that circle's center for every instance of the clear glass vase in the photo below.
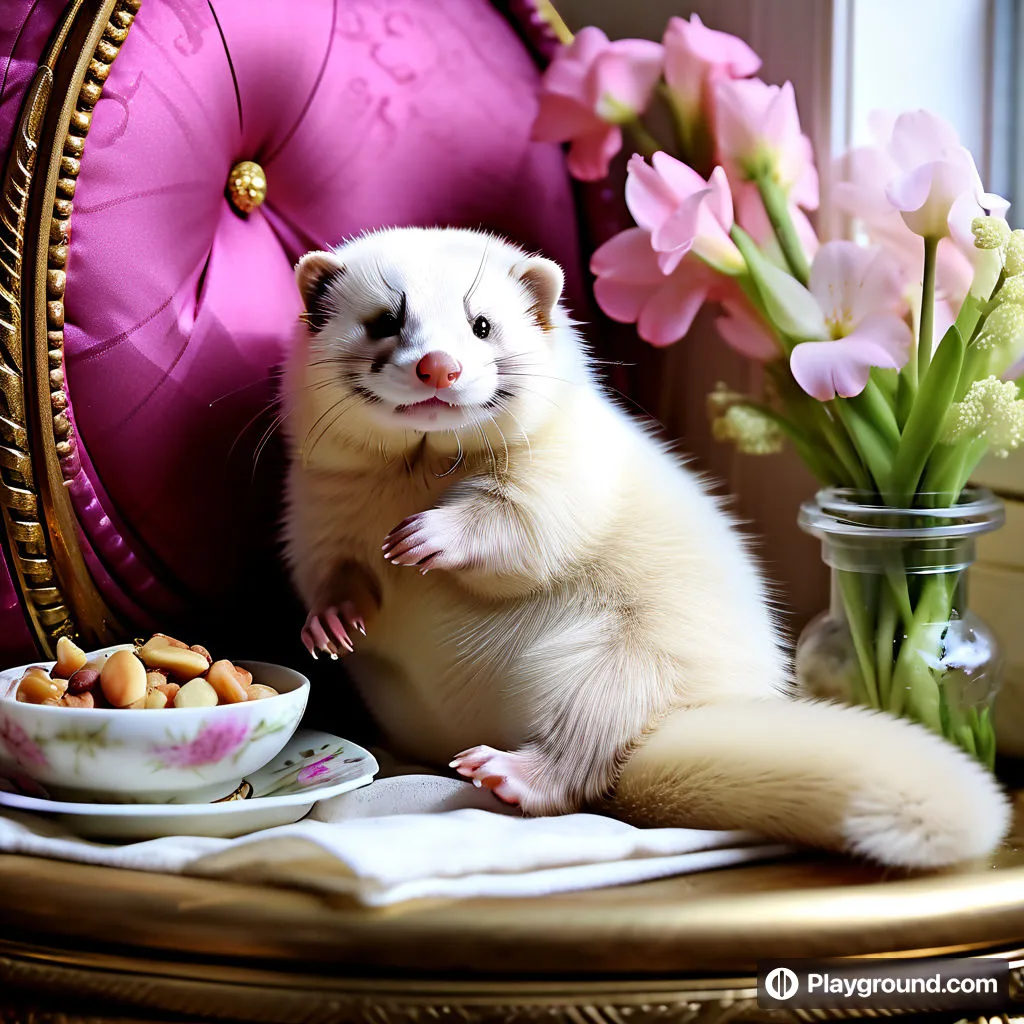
(898, 634)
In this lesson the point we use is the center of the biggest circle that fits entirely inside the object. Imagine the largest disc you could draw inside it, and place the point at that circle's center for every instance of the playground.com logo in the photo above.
(883, 984)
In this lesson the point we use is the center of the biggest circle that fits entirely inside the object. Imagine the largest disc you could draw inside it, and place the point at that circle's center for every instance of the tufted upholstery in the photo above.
(362, 113)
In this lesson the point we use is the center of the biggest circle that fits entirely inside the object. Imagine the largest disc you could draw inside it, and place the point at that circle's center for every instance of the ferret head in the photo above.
(428, 331)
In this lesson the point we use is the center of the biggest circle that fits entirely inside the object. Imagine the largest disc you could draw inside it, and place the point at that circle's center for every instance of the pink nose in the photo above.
(438, 369)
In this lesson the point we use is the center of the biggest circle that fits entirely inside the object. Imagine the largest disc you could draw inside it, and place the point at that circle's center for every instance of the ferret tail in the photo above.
(818, 774)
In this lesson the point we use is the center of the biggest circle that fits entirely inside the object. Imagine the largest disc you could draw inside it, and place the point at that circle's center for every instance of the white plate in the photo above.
(313, 766)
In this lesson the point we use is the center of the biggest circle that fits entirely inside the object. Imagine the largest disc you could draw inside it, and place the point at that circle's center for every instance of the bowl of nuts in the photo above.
(152, 722)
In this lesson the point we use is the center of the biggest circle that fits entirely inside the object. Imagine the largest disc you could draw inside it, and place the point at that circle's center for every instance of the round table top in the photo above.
(715, 921)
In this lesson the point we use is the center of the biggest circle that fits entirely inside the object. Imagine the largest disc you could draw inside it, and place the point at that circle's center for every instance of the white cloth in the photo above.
(411, 837)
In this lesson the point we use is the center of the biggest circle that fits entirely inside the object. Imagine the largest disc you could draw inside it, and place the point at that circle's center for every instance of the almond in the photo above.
(196, 693)
(156, 653)
(70, 658)
(123, 679)
(228, 682)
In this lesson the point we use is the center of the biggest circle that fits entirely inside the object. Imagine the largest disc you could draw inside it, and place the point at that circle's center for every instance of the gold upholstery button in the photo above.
(247, 186)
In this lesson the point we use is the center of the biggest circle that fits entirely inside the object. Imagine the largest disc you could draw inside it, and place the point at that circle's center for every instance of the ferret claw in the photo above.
(332, 640)
(500, 771)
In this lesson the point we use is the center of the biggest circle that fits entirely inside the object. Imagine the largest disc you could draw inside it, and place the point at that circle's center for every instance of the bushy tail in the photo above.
(819, 774)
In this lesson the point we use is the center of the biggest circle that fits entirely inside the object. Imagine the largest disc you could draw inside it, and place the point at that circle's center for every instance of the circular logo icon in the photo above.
(782, 983)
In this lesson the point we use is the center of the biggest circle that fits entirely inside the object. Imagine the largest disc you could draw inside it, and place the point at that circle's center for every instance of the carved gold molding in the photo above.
(46, 982)
(40, 532)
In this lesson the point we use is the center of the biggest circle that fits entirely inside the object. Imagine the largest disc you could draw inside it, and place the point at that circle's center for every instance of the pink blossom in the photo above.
(25, 751)
(742, 328)
(864, 193)
(861, 297)
(631, 287)
(214, 742)
(683, 212)
(696, 57)
(591, 88)
(933, 170)
(316, 769)
(758, 133)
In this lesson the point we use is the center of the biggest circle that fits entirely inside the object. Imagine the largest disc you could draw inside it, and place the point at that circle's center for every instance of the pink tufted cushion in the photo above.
(362, 113)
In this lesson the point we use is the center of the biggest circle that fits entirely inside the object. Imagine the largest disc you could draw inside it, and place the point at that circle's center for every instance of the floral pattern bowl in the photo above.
(172, 755)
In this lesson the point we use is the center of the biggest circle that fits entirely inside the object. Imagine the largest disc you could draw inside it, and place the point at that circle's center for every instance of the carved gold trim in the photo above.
(35, 429)
(127, 988)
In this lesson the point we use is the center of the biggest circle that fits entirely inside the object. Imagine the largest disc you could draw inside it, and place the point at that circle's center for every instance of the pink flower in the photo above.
(631, 287)
(933, 171)
(683, 212)
(214, 742)
(696, 57)
(19, 745)
(316, 769)
(864, 193)
(758, 132)
(860, 295)
(743, 329)
(591, 88)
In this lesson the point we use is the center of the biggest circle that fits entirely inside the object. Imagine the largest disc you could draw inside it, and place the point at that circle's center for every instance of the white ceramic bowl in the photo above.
(171, 755)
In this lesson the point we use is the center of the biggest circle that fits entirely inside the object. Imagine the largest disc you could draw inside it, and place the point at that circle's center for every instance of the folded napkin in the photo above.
(411, 837)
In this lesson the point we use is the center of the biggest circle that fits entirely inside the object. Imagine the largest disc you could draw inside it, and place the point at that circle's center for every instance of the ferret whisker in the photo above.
(265, 440)
(343, 402)
(458, 458)
(525, 435)
(252, 419)
(503, 441)
(245, 387)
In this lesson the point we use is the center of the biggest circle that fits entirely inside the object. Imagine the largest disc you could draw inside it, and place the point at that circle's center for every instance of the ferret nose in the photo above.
(438, 369)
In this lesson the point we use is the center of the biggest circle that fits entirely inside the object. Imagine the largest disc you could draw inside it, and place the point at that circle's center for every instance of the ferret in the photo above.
(534, 591)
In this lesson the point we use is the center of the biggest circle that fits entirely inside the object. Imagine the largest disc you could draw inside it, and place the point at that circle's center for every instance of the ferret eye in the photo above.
(481, 327)
(384, 325)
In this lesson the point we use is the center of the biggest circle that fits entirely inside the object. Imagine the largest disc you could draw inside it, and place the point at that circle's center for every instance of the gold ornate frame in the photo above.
(40, 532)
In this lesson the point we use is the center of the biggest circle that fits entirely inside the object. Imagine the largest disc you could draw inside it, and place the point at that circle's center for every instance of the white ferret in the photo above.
(538, 594)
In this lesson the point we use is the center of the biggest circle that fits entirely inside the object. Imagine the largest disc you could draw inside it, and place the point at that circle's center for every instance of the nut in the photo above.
(123, 679)
(70, 658)
(83, 681)
(178, 661)
(169, 690)
(78, 700)
(199, 649)
(155, 677)
(156, 699)
(196, 693)
(168, 640)
(258, 691)
(228, 682)
(38, 688)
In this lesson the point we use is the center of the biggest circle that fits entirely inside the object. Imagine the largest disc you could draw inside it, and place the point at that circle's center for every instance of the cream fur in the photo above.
(588, 592)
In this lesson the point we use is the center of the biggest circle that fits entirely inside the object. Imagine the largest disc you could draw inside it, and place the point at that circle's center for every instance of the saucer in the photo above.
(313, 766)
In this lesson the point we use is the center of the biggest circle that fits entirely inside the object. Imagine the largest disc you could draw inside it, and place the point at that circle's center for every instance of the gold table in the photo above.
(84, 943)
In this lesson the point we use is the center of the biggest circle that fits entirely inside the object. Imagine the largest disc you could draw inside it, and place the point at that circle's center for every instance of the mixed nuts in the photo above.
(160, 673)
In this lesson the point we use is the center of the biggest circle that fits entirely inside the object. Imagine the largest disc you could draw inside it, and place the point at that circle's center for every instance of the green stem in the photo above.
(885, 635)
(643, 141)
(817, 460)
(872, 448)
(924, 341)
(859, 620)
(776, 206)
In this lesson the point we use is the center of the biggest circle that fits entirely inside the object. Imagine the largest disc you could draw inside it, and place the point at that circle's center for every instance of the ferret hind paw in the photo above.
(325, 631)
(500, 771)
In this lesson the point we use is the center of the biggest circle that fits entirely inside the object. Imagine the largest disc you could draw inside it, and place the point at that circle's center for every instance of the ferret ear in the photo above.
(315, 273)
(543, 279)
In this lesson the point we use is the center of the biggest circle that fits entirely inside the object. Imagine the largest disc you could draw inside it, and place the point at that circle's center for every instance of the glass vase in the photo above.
(898, 634)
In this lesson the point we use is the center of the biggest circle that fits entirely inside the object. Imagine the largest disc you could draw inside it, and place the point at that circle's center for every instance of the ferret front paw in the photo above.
(331, 630)
(428, 540)
(503, 773)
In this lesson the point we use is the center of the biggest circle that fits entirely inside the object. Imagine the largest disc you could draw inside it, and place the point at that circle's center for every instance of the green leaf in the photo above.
(924, 423)
(789, 305)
